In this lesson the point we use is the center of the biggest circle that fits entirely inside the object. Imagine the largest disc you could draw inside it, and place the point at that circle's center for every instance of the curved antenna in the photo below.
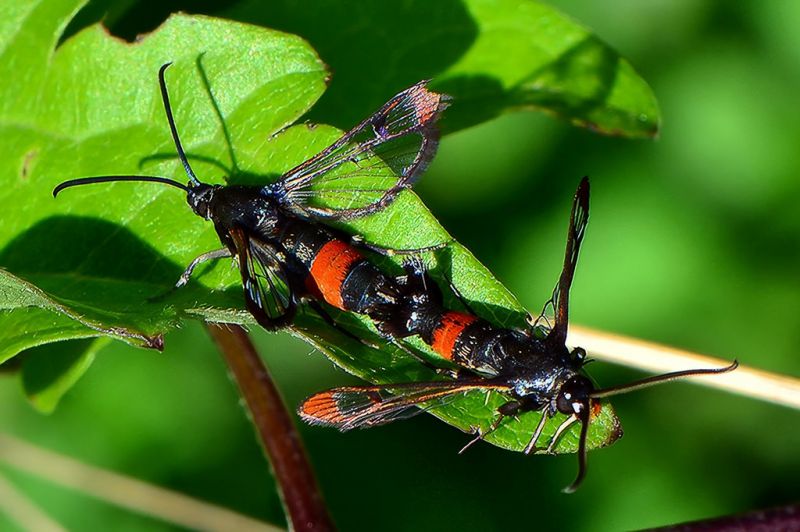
(165, 98)
(584, 419)
(659, 379)
(107, 178)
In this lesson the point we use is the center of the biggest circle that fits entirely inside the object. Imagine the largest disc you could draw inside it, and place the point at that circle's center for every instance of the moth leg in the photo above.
(186, 275)
(508, 409)
(325, 315)
(358, 241)
(531, 447)
(205, 257)
(456, 292)
(317, 307)
(416, 269)
(453, 373)
(560, 430)
(460, 297)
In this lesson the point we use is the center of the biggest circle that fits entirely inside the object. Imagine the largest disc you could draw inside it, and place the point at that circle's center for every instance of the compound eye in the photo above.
(579, 353)
(564, 402)
(574, 395)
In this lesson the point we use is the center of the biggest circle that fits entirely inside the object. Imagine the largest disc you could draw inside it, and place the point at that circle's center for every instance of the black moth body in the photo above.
(288, 256)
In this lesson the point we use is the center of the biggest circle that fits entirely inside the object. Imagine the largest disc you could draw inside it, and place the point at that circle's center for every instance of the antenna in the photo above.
(165, 98)
(659, 379)
(193, 181)
(107, 178)
(584, 419)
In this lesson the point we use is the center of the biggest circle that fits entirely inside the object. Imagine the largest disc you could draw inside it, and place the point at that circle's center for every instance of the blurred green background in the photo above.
(694, 241)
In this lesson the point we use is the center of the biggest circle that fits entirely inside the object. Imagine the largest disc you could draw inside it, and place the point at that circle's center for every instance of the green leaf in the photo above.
(101, 259)
(49, 371)
(492, 56)
(29, 317)
(93, 107)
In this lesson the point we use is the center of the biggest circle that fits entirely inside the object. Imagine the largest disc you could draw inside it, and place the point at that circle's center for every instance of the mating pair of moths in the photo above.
(288, 256)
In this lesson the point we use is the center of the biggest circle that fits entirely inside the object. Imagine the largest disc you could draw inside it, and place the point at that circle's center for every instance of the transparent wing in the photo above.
(368, 406)
(268, 294)
(367, 167)
(559, 302)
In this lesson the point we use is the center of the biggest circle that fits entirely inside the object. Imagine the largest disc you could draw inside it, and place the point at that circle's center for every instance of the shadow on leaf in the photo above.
(105, 271)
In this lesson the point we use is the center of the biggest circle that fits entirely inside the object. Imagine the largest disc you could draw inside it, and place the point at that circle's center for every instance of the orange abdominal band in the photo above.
(330, 268)
(448, 331)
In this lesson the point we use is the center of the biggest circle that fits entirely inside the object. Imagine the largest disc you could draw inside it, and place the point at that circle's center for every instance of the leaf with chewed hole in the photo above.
(101, 260)
(493, 56)
(86, 267)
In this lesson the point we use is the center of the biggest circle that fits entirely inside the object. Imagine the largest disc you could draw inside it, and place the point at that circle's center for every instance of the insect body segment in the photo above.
(445, 337)
(330, 268)
(457, 336)
(536, 372)
(287, 255)
(284, 259)
(335, 271)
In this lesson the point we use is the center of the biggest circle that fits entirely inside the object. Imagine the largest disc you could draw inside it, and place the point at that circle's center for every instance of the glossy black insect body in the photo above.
(535, 371)
(285, 255)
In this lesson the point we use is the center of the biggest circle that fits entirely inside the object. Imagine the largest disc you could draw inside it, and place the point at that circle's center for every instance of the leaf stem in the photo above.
(305, 508)
(656, 358)
(780, 518)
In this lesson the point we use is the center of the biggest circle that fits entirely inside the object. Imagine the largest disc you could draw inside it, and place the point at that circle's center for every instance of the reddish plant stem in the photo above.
(772, 519)
(305, 509)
